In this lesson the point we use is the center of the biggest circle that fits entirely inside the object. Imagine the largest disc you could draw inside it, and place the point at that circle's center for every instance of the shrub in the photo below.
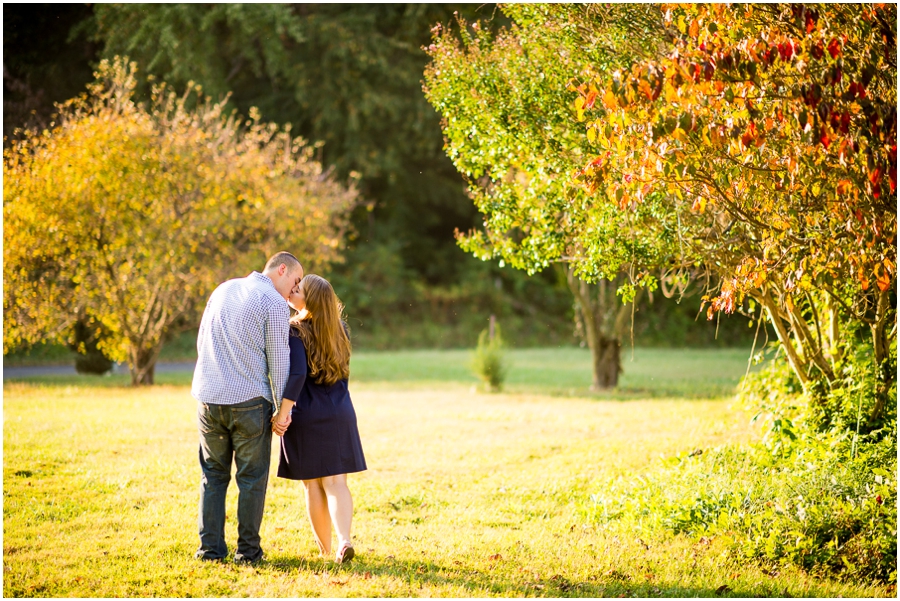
(90, 359)
(488, 361)
(819, 490)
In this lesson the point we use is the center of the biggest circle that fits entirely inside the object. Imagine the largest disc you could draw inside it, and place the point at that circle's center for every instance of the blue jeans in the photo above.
(242, 431)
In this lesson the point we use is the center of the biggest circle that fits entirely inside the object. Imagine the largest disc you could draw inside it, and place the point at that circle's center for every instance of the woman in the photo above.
(320, 442)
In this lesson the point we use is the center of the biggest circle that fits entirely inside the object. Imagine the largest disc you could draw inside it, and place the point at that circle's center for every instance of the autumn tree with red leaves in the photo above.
(750, 146)
(771, 132)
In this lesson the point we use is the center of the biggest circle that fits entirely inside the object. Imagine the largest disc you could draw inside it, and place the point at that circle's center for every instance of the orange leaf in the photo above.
(844, 186)
(609, 100)
(694, 29)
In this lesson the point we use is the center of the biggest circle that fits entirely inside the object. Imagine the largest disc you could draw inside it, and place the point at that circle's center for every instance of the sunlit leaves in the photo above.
(129, 215)
(772, 132)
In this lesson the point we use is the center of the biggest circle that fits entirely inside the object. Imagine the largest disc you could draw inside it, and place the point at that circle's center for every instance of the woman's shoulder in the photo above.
(294, 338)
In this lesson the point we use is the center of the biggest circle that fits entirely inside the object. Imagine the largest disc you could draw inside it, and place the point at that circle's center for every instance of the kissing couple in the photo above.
(260, 371)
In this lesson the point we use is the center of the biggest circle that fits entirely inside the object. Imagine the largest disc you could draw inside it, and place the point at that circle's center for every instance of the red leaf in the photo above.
(834, 48)
(589, 101)
(823, 138)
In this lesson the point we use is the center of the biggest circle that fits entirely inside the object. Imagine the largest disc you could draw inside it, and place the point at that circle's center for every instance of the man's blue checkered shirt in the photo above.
(242, 346)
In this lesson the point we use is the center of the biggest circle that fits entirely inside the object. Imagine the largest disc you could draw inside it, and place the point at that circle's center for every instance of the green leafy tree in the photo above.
(510, 130)
(126, 216)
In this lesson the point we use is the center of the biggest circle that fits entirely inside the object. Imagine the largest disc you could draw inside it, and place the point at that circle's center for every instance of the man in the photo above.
(242, 366)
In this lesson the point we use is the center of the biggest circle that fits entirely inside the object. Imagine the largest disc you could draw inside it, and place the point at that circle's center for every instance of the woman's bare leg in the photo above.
(340, 505)
(319, 519)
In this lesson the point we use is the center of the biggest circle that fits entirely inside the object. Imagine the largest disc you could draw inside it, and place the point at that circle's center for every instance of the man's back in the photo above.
(242, 343)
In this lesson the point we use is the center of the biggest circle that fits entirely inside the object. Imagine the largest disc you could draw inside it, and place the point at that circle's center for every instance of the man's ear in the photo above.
(282, 269)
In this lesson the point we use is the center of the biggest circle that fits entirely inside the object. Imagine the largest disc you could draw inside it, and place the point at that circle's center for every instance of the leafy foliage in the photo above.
(821, 506)
(343, 75)
(510, 132)
(753, 146)
(820, 495)
(770, 133)
(127, 216)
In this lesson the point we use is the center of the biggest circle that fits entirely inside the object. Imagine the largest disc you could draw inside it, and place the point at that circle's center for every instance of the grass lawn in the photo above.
(467, 493)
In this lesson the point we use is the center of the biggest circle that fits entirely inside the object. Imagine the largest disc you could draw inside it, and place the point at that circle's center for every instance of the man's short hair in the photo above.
(282, 257)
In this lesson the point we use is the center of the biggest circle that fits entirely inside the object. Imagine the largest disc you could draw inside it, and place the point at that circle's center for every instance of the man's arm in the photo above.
(278, 353)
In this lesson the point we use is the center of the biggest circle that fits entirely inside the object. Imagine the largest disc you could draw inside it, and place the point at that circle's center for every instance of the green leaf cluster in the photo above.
(510, 129)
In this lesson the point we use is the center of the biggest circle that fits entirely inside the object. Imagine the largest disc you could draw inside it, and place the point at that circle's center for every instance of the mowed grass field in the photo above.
(467, 493)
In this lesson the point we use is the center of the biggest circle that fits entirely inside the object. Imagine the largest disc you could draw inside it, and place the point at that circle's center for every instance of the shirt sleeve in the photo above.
(297, 376)
(277, 349)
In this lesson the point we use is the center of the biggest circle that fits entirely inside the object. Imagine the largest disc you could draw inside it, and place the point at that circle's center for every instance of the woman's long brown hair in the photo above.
(323, 332)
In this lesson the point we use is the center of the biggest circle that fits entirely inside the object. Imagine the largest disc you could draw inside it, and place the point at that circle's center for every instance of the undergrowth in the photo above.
(818, 491)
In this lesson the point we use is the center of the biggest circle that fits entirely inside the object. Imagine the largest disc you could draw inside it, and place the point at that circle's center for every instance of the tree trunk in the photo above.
(604, 345)
(143, 365)
(607, 363)
(884, 374)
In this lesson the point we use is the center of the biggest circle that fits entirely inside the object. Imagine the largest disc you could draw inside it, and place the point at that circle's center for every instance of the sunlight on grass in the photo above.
(468, 494)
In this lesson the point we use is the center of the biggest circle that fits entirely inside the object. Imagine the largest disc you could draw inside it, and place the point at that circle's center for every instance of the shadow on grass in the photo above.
(495, 581)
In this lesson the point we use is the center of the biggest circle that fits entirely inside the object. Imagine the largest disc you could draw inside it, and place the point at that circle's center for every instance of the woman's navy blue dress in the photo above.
(323, 439)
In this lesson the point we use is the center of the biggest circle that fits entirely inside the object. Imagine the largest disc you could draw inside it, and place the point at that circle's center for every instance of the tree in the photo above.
(770, 132)
(348, 77)
(345, 75)
(127, 216)
(510, 130)
(753, 144)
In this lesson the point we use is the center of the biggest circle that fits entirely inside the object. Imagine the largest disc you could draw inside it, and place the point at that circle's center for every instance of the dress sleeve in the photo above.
(297, 374)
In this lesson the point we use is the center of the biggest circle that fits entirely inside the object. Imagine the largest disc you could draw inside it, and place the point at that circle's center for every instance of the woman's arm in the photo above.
(295, 382)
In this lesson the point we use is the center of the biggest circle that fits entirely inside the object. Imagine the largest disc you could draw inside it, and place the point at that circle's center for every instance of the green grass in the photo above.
(467, 493)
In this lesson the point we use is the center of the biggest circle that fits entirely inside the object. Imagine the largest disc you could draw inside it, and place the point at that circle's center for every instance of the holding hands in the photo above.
(282, 420)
